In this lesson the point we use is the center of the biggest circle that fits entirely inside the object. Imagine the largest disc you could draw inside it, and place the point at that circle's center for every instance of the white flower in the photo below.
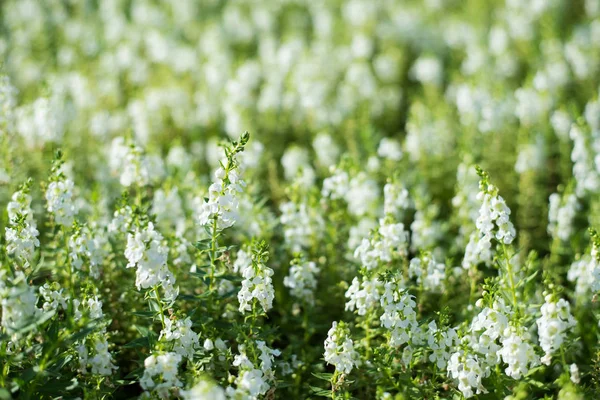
(518, 353)
(493, 222)
(396, 200)
(388, 243)
(553, 326)
(336, 186)
(133, 166)
(389, 149)
(561, 214)
(266, 357)
(339, 349)
(223, 203)
(41, 121)
(101, 362)
(180, 332)
(561, 123)
(440, 343)
(18, 301)
(294, 160)
(53, 298)
(164, 369)
(21, 240)
(146, 252)
(428, 271)
(362, 195)
(168, 209)
(253, 381)
(326, 149)
(582, 272)
(399, 315)
(301, 224)
(302, 280)
(574, 372)
(584, 172)
(427, 69)
(488, 328)
(60, 202)
(8, 102)
(257, 284)
(204, 390)
(208, 344)
(363, 297)
(466, 370)
(82, 353)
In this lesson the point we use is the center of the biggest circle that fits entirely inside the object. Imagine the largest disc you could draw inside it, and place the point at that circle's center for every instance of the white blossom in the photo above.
(339, 349)
(553, 326)
(257, 284)
(302, 280)
(147, 253)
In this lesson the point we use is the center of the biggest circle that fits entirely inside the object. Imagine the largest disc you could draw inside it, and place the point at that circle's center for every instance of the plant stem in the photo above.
(158, 300)
(213, 253)
(511, 279)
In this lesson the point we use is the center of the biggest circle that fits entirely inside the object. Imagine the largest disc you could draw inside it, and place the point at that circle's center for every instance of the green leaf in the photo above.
(142, 330)
(154, 306)
(144, 314)
(5, 394)
(35, 323)
(28, 374)
(199, 274)
(139, 342)
(320, 392)
(203, 244)
(325, 376)
(63, 361)
(136, 374)
(83, 332)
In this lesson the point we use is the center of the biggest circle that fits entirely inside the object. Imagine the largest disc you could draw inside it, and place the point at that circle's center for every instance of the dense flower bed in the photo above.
(297, 199)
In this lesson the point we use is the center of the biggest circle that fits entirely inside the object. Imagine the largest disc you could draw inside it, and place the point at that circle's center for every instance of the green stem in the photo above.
(510, 279)
(69, 265)
(56, 344)
(213, 253)
(158, 300)
(563, 359)
(368, 337)
(305, 325)
(333, 383)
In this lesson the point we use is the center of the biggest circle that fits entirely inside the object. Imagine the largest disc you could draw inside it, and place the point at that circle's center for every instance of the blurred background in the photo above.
(448, 82)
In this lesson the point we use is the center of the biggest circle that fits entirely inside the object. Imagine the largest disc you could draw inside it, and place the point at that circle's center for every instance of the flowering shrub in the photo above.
(412, 215)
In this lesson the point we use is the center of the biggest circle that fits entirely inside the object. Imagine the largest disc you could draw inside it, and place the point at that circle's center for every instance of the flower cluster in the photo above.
(160, 373)
(363, 198)
(493, 222)
(222, 203)
(21, 232)
(257, 283)
(389, 242)
(399, 315)
(518, 353)
(553, 326)
(302, 280)
(363, 296)
(146, 252)
(60, 202)
(561, 213)
(465, 369)
(185, 340)
(339, 349)
(428, 272)
(19, 303)
(252, 381)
